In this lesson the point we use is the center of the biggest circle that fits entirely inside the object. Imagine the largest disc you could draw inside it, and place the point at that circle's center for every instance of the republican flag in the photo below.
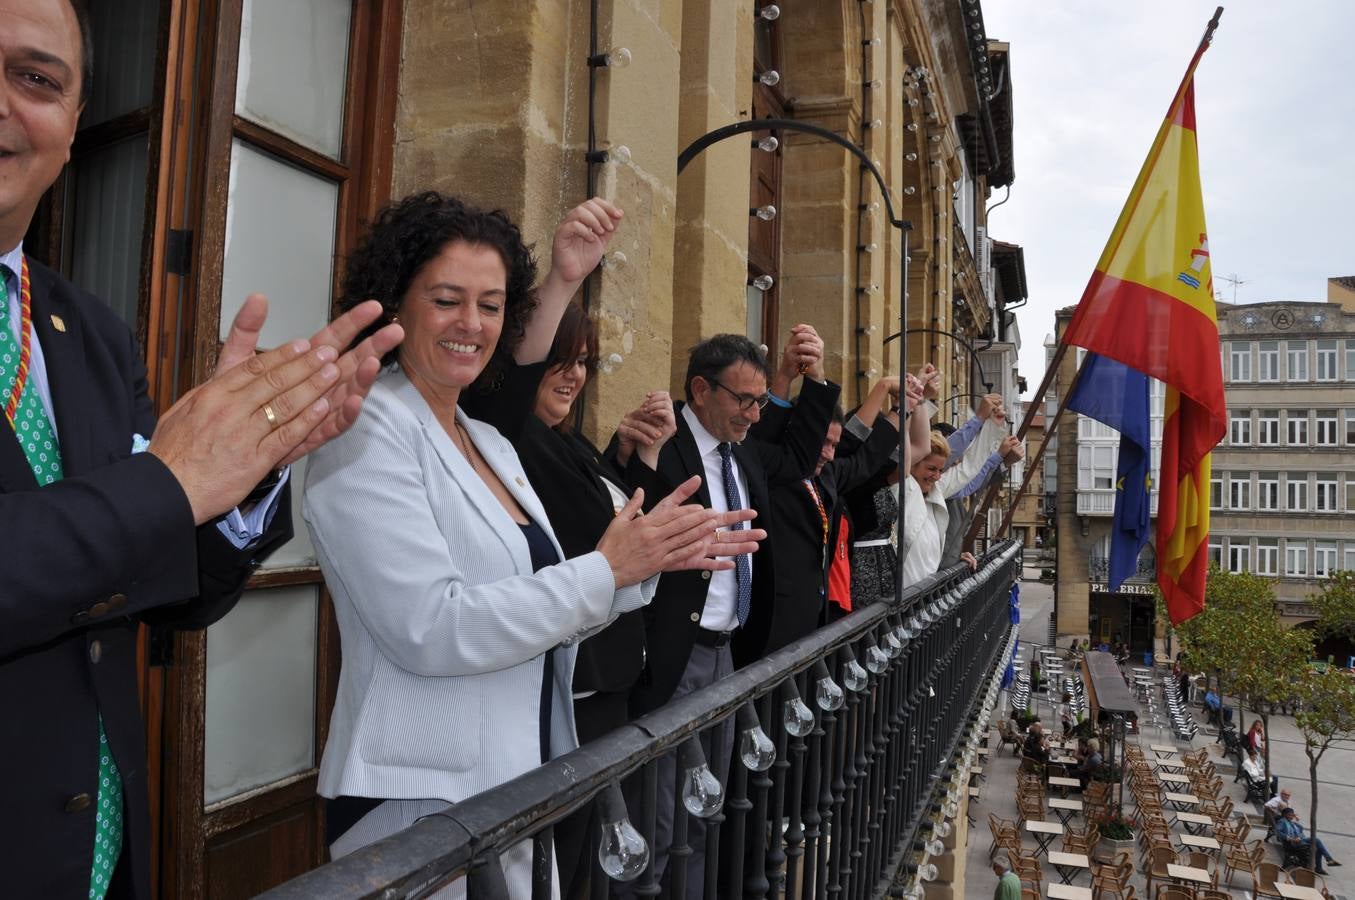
(1111, 392)
(1150, 305)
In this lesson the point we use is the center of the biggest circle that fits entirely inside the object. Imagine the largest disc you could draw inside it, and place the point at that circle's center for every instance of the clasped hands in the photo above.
(259, 412)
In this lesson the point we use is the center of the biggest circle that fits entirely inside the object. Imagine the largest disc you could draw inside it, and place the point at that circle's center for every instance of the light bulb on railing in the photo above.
(765, 213)
(854, 677)
(941, 829)
(910, 190)
(876, 659)
(620, 154)
(874, 84)
(934, 848)
(762, 282)
(797, 718)
(767, 144)
(868, 248)
(756, 750)
(910, 156)
(614, 261)
(769, 13)
(928, 871)
(951, 809)
(771, 78)
(702, 793)
(912, 126)
(828, 693)
(623, 853)
(875, 123)
(610, 362)
(891, 643)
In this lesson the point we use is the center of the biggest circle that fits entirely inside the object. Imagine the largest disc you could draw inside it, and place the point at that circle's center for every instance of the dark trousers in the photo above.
(705, 666)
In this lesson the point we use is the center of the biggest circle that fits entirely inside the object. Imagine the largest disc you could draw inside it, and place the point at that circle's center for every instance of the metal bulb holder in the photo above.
(702, 794)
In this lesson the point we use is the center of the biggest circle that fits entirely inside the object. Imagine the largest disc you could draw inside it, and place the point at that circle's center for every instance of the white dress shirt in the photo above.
(719, 613)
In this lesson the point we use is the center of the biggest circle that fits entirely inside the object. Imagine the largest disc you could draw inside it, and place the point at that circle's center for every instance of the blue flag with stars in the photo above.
(1117, 395)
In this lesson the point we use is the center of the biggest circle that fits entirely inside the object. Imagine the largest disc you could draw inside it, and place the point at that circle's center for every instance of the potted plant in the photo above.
(1117, 834)
(1025, 718)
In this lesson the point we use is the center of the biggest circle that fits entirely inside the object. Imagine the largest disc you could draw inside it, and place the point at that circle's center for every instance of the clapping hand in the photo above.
(674, 535)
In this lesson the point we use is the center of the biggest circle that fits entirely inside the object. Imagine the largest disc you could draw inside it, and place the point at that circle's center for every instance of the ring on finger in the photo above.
(270, 415)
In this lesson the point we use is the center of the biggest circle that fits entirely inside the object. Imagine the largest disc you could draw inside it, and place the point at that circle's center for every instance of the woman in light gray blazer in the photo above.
(458, 617)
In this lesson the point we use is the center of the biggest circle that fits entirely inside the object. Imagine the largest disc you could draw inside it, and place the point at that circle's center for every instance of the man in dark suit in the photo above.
(704, 624)
(100, 536)
(811, 515)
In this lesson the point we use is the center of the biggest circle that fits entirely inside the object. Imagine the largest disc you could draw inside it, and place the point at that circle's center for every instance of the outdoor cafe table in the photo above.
(1198, 842)
(1044, 832)
(1195, 823)
(1188, 875)
(1068, 892)
(1162, 749)
(1063, 760)
(1068, 864)
(1181, 801)
(1065, 809)
(1294, 891)
(1061, 782)
(1173, 778)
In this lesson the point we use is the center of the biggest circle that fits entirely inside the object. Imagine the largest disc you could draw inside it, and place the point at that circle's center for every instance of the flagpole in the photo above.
(1051, 371)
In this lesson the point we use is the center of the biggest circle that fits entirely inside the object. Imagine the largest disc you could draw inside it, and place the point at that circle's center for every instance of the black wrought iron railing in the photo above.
(1145, 569)
(868, 717)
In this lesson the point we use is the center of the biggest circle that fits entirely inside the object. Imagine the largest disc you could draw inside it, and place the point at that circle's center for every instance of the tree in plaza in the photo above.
(1278, 658)
(1328, 716)
(1336, 605)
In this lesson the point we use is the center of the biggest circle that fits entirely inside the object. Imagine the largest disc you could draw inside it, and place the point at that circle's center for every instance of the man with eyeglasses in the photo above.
(702, 624)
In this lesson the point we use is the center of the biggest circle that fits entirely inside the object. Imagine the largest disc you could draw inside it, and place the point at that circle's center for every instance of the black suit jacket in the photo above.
(567, 473)
(86, 559)
(673, 619)
(802, 567)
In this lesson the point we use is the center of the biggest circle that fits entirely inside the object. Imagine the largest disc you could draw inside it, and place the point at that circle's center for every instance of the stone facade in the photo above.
(494, 105)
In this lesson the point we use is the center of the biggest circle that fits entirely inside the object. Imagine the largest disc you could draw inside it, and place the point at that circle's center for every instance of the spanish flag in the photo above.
(1150, 305)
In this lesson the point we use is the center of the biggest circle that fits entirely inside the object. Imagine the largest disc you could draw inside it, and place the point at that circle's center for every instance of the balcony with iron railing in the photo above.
(874, 721)
(1145, 569)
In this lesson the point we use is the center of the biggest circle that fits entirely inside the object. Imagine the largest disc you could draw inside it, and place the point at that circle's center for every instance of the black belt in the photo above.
(707, 638)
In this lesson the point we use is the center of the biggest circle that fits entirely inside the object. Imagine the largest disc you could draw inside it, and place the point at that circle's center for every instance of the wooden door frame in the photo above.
(368, 136)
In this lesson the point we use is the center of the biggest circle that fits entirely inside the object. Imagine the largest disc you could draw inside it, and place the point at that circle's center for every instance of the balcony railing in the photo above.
(846, 808)
(1145, 570)
(1102, 502)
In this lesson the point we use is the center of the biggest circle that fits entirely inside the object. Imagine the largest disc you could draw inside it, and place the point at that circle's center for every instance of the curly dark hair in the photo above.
(410, 232)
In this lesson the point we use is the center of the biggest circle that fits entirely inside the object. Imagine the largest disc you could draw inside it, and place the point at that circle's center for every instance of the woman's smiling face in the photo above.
(453, 316)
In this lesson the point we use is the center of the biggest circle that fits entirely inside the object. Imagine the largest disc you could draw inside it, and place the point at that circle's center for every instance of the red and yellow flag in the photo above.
(1150, 305)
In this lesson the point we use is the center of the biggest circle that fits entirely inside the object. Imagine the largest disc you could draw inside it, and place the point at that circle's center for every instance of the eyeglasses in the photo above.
(746, 401)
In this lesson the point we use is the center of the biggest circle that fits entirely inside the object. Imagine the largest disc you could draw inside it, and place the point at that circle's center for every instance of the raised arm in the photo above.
(580, 240)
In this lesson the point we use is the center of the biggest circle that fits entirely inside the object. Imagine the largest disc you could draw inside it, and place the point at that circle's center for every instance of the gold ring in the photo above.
(271, 416)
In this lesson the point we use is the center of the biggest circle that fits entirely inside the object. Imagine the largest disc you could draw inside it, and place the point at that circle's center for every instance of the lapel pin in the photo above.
(58, 323)
(520, 482)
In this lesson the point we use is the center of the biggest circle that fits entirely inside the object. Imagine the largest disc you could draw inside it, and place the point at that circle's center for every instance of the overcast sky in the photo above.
(1275, 118)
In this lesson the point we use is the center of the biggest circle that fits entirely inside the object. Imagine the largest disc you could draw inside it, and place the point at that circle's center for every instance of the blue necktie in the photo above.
(743, 564)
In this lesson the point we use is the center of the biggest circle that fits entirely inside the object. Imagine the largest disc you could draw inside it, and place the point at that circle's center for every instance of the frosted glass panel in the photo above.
(125, 38)
(279, 241)
(294, 67)
(261, 691)
(107, 214)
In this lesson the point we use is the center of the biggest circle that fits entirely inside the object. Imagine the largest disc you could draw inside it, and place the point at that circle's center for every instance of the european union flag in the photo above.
(1117, 395)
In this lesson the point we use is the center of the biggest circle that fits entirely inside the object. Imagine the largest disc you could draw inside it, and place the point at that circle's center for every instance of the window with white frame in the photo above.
(1268, 361)
(1239, 491)
(1326, 360)
(1239, 368)
(1296, 422)
(1216, 553)
(1096, 468)
(1216, 490)
(1350, 359)
(1325, 498)
(1350, 428)
(1324, 558)
(1267, 557)
(1349, 564)
(1239, 556)
(1326, 432)
(1297, 354)
(1268, 491)
(1268, 427)
(1239, 427)
(1350, 493)
(1296, 492)
(1296, 559)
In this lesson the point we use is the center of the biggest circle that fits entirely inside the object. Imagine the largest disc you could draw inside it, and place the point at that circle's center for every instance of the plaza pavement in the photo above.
(1336, 782)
